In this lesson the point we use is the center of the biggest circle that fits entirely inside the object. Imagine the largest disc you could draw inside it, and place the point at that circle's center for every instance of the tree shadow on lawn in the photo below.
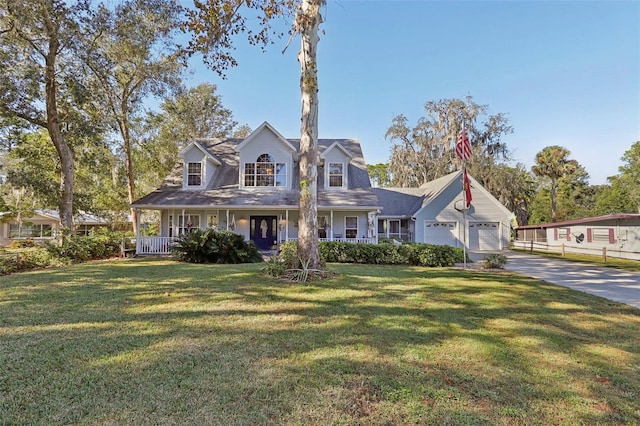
(373, 343)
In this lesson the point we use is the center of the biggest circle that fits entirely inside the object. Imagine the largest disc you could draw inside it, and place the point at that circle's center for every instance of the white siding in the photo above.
(484, 208)
(266, 143)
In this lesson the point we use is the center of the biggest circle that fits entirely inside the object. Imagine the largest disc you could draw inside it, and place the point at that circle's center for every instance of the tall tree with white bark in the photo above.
(213, 23)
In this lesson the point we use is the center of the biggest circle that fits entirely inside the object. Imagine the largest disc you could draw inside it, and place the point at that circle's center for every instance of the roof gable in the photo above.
(265, 127)
(336, 145)
(205, 152)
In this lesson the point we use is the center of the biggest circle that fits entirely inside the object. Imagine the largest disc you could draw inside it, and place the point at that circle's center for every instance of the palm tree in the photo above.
(553, 163)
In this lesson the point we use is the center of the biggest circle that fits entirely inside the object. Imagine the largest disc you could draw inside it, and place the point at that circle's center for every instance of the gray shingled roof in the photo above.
(223, 190)
(407, 201)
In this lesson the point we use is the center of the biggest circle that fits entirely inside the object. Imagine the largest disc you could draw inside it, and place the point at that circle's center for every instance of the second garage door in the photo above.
(484, 236)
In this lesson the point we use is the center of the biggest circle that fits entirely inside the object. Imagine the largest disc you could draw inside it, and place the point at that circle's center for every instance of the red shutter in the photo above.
(555, 233)
(568, 234)
(612, 237)
(589, 235)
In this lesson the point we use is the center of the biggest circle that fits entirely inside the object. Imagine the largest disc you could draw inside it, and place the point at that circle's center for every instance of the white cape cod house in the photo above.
(251, 187)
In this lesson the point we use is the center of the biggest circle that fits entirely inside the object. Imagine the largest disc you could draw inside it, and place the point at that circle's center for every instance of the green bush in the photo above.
(25, 260)
(494, 261)
(211, 246)
(386, 254)
(99, 244)
(274, 267)
(289, 254)
(28, 242)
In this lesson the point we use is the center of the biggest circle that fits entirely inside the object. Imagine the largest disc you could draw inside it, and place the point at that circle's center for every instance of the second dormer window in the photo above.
(335, 175)
(194, 174)
(265, 172)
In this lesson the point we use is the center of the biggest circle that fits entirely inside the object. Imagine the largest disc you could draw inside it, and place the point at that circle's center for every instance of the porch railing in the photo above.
(162, 245)
(346, 240)
(154, 245)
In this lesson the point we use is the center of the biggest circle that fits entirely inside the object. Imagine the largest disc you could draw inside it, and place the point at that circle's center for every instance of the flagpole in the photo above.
(464, 211)
(463, 150)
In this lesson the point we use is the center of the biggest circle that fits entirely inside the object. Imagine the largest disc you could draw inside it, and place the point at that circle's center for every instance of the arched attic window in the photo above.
(265, 172)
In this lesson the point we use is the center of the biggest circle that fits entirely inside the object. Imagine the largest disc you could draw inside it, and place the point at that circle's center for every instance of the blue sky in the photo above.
(565, 72)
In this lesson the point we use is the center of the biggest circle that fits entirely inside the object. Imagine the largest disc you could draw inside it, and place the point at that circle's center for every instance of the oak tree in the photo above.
(38, 62)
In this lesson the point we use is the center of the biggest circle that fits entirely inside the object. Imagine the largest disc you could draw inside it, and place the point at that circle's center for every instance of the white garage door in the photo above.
(440, 233)
(484, 236)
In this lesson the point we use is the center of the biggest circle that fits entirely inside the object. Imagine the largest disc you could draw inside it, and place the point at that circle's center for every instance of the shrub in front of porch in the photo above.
(385, 254)
(211, 246)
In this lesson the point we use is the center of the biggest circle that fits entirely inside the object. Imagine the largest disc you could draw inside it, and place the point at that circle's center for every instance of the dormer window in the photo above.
(194, 174)
(265, 172)
(336, 175)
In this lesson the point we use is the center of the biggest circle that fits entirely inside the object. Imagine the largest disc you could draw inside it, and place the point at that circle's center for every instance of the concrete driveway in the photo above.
(614, 284)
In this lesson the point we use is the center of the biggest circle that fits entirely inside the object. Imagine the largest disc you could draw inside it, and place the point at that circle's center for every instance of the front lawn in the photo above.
(149, 341)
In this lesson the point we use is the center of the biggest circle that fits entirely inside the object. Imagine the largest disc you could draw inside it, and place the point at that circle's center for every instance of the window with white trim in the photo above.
(38, 230)
(265, 172)
(600, 235)
(336, 178)
(194, 174)
(351, 227)
(562, 233)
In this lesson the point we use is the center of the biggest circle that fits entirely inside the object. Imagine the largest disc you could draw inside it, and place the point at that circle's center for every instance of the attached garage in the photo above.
(442, 233)
(484, 236)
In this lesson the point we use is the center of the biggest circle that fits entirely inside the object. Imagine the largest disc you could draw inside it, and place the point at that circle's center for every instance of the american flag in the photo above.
(467, 188)
(463, 148)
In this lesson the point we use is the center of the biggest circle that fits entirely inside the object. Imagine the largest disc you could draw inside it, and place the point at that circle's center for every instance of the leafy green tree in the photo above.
(131, 59)
(514, 187)
(575, 197)
(18, 204)
(194, 113)
(553, 164)
(98, 188)
(40, 83)
(379, 175)
(426, 151)
(190, 114)
(630, 173)
(614, 198)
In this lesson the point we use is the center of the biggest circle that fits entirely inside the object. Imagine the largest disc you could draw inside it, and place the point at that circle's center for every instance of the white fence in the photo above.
(602, 252)
(154, 245)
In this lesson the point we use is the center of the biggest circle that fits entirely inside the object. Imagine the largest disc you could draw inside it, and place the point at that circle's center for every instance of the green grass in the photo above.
(611, 262)
(149, 341)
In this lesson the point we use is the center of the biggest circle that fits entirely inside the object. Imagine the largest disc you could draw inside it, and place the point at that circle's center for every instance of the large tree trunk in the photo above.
(53, 127)
(131, 183)
(308, 19)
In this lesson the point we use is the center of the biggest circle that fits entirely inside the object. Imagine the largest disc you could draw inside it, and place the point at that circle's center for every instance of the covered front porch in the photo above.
(266, 228)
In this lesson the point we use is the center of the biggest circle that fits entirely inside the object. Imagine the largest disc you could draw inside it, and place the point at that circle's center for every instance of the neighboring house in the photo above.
(251, 186)
(433, 213)
(617, 235)
(45, 226)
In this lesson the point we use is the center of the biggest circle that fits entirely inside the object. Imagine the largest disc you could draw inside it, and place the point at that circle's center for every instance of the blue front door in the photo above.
(264, 231)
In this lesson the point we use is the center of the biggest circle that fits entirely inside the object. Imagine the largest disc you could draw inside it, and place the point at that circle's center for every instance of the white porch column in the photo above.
(137, 230)
(182, 225)
(227, 219)
(332, 230)
(286, 228)
(174, 223)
